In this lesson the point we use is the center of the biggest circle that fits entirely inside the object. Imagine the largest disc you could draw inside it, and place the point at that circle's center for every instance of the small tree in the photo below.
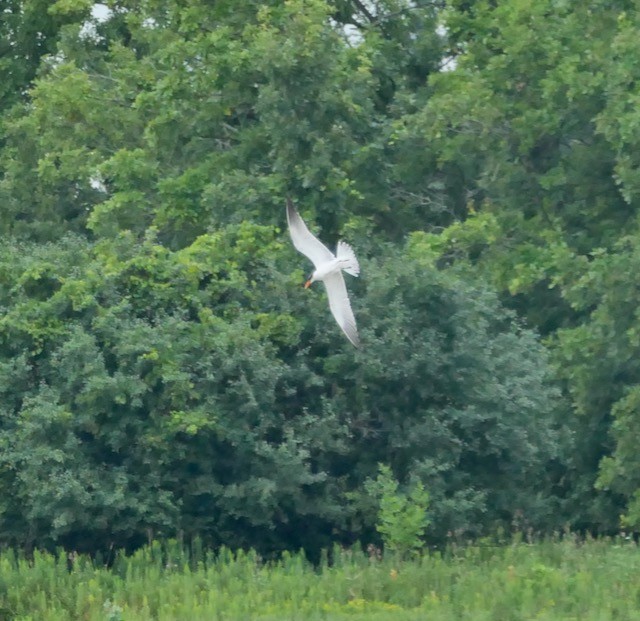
(402, 517)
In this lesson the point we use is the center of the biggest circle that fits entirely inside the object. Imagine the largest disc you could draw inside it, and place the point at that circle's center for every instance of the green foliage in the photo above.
(209, 118)
(402, 517)
(535, 131)
(155, 391)
(29, 30)
(551, 580)
(116, 395)
(458, 394)
(161, 371)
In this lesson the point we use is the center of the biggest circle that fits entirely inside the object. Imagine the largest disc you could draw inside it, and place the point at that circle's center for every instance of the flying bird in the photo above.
(328, 269)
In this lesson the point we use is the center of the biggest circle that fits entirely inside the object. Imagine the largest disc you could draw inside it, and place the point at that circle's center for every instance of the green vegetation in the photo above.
(545, 581)
(162, 372)
(402, 517)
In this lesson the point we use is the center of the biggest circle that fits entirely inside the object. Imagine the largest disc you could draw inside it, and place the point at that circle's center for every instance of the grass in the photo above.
(595, 580)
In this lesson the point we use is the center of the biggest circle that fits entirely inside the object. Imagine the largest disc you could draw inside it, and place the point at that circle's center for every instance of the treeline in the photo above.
(162, 372)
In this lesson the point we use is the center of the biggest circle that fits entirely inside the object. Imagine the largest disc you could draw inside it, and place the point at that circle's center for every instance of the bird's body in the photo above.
(325, 269)
(328, 269)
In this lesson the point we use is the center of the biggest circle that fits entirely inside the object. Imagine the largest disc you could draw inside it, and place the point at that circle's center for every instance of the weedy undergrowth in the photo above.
(551, 580)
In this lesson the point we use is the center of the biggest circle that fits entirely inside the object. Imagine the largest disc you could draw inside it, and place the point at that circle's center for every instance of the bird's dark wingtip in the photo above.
(291, 210)
(354, 339)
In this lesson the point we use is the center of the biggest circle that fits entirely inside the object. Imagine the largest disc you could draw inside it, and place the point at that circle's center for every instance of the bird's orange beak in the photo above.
(307, 284)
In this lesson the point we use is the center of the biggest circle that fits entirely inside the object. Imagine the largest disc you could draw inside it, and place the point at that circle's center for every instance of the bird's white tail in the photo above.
(348, 260)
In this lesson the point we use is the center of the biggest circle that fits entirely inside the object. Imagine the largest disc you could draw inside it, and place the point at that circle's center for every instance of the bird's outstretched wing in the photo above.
(340, 306)
(304, 241)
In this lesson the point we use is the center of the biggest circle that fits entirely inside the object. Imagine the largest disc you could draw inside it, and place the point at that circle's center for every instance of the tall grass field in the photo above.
(593, 580)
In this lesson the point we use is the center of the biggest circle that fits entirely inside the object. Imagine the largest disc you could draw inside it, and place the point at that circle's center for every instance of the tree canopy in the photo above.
(163, 372)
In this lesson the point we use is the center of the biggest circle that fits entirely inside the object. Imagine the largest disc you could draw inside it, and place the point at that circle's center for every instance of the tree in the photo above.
(184, 117)
(162, 370)
(149, 390)
(402, 517)
(534, 129)
(30, 30)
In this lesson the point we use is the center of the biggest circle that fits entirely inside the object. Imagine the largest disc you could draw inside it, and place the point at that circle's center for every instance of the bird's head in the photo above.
(309, 281)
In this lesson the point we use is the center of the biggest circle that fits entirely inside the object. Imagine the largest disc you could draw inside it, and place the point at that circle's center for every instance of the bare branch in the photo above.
(365, 11)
